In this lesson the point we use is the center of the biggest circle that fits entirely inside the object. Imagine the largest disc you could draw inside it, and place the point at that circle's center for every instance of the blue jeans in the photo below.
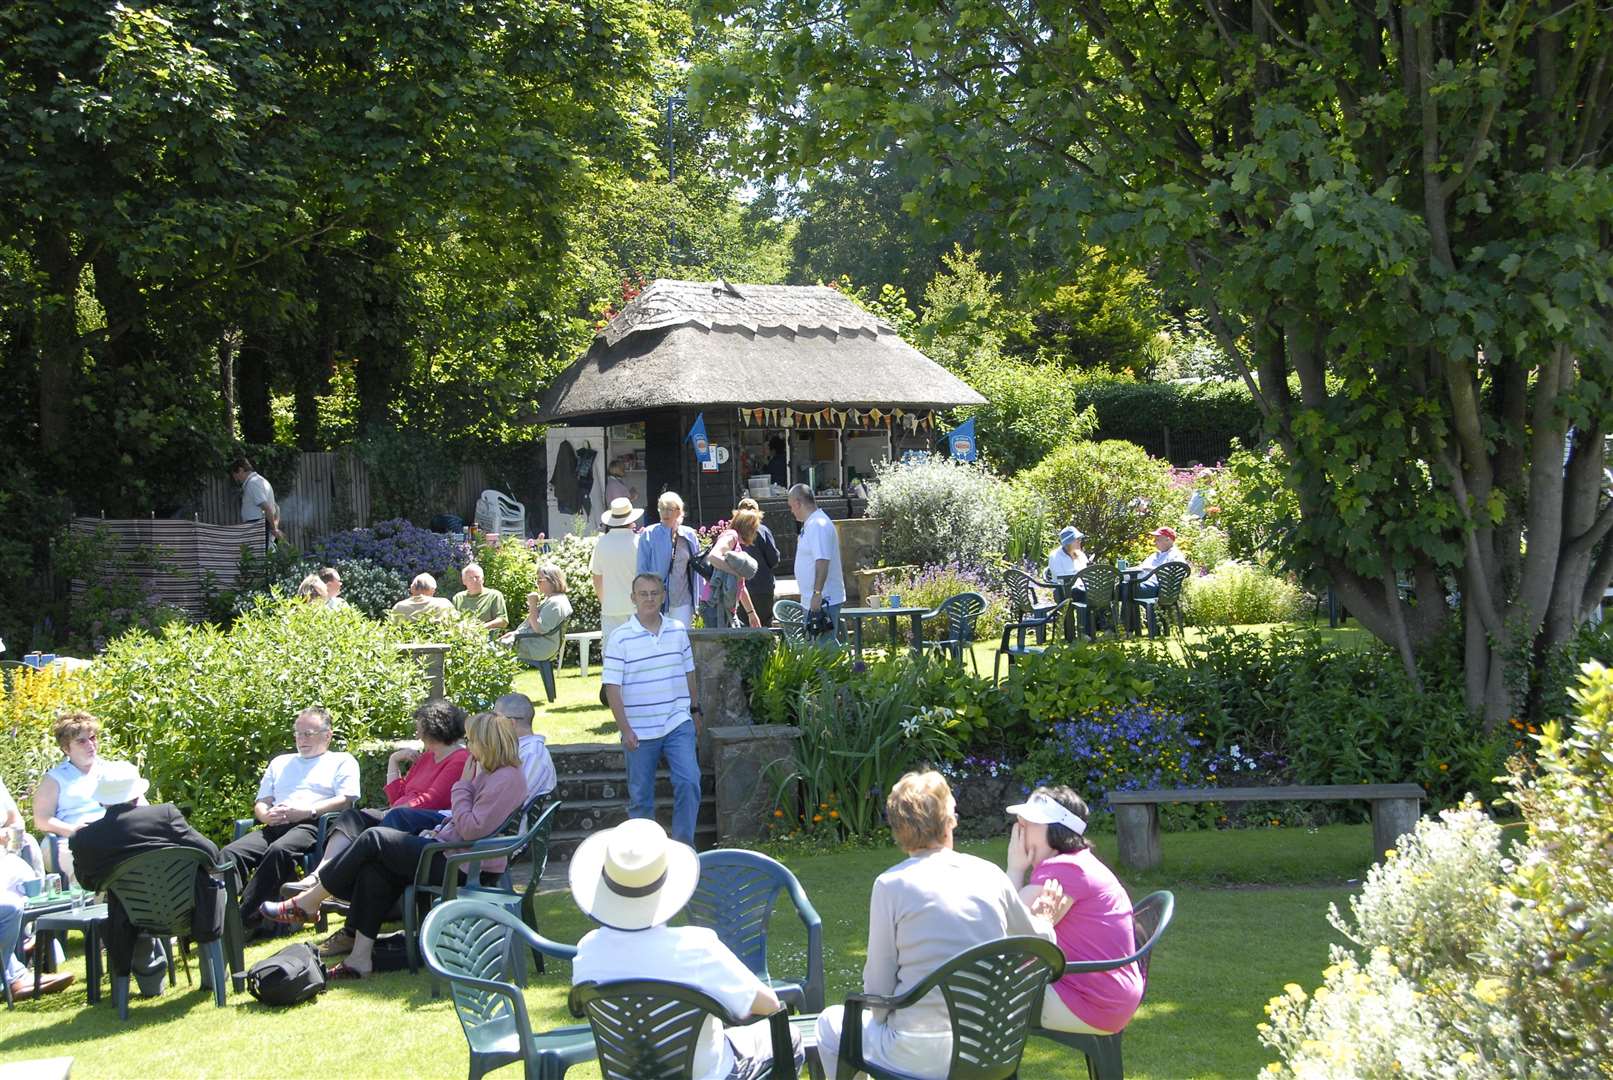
(410, 820)
(682, 760)
(11, 968)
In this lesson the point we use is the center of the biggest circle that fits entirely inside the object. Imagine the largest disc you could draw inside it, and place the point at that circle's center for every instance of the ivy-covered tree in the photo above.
(1398, 218)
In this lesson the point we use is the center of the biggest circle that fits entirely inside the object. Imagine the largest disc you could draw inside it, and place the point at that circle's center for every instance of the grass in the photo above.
(1251, 910)
(576, 716)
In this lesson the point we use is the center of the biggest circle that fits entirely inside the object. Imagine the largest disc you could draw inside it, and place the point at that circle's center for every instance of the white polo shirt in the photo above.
(305, 782)
(652, 670)
(819, 540)
(254, 493)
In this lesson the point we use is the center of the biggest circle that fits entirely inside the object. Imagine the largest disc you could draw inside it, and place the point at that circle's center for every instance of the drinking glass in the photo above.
(53, 884)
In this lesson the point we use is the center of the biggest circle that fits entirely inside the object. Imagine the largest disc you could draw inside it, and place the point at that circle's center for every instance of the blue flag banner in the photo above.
(961, 441)
(697, 438)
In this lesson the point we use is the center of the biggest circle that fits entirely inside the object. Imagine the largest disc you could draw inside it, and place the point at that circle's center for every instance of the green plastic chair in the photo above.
(1021, 588)
(993, 994)
(1149, 918)
(961, 613)
(735, 897)
(474, 947)
(790, 617)
(503, 842)
(158, 892)
(533, 845)
(1101, 583)
(645, 1029)
(1168, 604)
(1014, 644)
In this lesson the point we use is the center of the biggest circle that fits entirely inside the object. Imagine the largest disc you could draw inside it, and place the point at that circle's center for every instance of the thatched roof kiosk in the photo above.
(766, 364)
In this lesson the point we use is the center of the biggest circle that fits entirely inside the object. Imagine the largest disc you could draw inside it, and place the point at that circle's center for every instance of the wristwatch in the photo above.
(697, 709)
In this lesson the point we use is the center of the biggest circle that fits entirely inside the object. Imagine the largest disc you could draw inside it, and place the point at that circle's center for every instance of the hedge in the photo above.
(1203, 419)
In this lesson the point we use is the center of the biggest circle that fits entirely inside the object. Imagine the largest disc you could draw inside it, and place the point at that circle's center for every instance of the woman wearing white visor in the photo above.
(1048, 842)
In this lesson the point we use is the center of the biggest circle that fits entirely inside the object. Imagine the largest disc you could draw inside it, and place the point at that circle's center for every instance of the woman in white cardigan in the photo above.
(924, 911)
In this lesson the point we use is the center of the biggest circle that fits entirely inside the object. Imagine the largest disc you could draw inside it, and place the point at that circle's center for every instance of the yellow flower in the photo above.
(834, 813)
(816, 818)
(778, 813)
(1444, 767)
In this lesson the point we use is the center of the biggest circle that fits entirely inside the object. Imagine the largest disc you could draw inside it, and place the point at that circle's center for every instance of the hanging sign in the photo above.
(961, 441)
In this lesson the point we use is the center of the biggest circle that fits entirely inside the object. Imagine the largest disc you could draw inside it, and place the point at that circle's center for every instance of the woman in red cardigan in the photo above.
(425, 789)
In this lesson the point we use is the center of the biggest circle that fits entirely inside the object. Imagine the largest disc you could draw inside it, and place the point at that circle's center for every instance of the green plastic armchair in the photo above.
(790, 618)
(158, 892)
(1101, 584)
(1149, 918)
(993, 994)
(1168, 604)
(474, 947)
(960, 612)
(533, 846)
(645, 1029)
(735, 897)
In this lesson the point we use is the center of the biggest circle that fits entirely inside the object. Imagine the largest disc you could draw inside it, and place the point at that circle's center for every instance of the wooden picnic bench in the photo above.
(1395, 809)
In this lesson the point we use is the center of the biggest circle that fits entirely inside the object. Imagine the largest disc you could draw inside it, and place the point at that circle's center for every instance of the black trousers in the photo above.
(762, 600)
(372, 874)
(354, 823)
(266, 859)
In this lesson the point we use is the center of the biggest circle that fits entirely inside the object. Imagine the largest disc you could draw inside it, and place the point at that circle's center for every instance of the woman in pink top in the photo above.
(1048, 842)
(374, 871)
(439, 724)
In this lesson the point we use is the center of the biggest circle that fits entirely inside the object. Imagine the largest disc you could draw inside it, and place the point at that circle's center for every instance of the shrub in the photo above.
(1236, 593)
(775, 692)
(30, 702)
(114, 597)
(398, 545)
(1112, 491)
(203, 711)
(857, 739)
(1030, 410)
(1068, 681)
(367, 586)
(573, 554)
(929, 585)
(1251, 502)
(477, 671)
(511, 565)
(934, 511)
(1116, 748)
(1474, 962)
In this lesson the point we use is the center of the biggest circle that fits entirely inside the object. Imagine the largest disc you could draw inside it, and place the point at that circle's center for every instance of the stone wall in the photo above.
(719, 683)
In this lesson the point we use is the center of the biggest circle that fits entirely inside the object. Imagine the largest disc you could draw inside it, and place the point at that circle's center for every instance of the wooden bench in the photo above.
(1395, 809)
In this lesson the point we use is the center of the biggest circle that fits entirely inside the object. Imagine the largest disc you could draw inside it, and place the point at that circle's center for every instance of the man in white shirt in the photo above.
(536, 761)
(632, 880)
(1165, 551)
(423, 602)
(257, 497)
(648, 672)
(296, 789)
(817, 558)
(614, 562)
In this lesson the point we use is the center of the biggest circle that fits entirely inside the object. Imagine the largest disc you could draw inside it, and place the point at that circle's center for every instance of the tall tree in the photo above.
(1398, 216)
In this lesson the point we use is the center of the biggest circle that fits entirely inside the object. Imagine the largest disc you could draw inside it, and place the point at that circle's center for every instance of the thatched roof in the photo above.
(699, 343)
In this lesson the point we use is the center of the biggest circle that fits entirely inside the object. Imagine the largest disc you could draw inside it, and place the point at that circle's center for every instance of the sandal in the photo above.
(338, 944)
(286, 913)
(342, 972)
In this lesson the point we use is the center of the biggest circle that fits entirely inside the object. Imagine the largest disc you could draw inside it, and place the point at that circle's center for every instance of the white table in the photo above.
(585, 642)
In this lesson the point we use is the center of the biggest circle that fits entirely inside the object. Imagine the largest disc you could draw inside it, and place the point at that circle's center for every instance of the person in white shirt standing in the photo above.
(296, 789)
(257, 498)
(1165, 551)
(614, 562)
(632, 880)
(817, 559)
(650, 687)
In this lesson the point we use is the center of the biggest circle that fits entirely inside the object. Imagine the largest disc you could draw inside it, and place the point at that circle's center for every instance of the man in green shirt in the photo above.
(484, 605)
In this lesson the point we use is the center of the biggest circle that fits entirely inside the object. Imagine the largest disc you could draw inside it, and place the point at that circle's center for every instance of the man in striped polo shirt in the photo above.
(650, 685)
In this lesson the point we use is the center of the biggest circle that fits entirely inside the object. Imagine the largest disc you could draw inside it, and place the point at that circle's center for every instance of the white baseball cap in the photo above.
(1045, 810)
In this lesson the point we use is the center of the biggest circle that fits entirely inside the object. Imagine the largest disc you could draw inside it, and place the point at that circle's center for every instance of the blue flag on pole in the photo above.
(961, 441)
(697, 437)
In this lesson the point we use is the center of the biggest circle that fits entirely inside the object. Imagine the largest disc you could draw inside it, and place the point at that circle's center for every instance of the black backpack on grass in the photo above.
(289, 977)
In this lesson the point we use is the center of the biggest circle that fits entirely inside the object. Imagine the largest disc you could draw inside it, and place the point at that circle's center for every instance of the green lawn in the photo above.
(577, 717)
(1250, 916)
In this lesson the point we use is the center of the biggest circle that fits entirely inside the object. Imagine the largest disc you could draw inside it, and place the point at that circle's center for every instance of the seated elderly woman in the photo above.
(64, 800)
(924, 911)
(540, 635)
(416, 800)
(312, 590)
(376, 868)
(1048, 842)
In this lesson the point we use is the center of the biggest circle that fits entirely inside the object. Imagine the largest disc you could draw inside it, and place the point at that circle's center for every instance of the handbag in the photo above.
(289, 977)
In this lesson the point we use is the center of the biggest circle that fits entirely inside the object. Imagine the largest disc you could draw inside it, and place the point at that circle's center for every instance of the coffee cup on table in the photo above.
(896, 599)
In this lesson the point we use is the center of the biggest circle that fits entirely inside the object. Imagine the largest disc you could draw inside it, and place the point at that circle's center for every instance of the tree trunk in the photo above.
(55, 335)
(228, 344)
(253, 368)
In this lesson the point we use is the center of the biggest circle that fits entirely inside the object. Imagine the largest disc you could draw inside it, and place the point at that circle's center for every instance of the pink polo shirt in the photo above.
(1097, 927)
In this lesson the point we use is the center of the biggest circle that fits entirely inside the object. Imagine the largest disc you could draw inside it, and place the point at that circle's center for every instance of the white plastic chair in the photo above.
(496, 512)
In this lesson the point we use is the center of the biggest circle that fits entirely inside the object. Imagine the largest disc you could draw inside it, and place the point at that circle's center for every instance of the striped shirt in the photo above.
(652, 670)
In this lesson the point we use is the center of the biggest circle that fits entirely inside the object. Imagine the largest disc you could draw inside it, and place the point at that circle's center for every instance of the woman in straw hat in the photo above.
(613, 564)
(631, 880)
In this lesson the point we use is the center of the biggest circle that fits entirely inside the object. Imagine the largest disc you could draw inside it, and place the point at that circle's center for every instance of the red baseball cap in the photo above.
(1166, 531)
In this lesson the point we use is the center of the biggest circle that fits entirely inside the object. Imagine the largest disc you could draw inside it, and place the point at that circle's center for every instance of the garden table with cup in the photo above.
(74, 909)
(893, 611)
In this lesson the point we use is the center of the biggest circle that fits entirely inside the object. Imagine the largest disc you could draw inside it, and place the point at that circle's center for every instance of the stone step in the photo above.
(588, 758)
